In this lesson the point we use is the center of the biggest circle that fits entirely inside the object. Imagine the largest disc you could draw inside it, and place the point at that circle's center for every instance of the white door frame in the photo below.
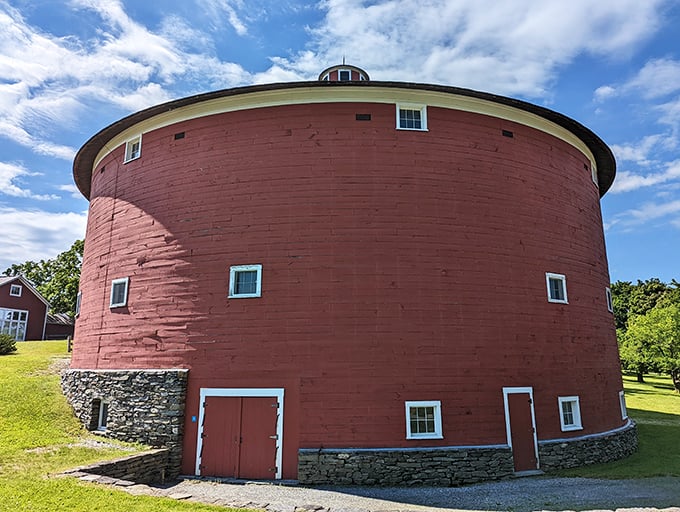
(242, 393)
(512, 390)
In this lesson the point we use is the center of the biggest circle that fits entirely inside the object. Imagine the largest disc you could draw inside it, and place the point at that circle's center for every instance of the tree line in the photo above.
(647, 316)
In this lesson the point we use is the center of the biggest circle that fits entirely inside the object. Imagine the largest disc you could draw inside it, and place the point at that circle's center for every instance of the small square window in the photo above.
(133, 149)
(411, 117)
(245, 281)
(557, 288)
(593, 175)
(15, 290)
(622, 404)
(79, 300)
(119, 292)
(103, 415)
(610, 304)
(570, 413)
(424, 420)
(344, 75)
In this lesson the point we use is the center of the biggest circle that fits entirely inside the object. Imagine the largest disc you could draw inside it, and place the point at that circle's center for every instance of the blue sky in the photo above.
(70, 68)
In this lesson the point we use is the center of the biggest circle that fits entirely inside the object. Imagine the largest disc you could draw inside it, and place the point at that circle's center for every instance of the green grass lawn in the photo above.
(39, 437)
(655, 407)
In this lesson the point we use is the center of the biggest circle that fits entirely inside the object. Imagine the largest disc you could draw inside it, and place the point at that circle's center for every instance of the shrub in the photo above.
(7, 344)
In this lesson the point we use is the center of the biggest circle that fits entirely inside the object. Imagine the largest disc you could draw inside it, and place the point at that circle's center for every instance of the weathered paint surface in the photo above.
(397, 265)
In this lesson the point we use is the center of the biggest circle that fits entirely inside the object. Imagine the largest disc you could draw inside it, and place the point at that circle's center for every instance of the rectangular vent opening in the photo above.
(508, 133)
(585, 166)
(363, 117)
(179, 135)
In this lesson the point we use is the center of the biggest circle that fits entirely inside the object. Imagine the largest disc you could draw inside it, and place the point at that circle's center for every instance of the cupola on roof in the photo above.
(343, 73)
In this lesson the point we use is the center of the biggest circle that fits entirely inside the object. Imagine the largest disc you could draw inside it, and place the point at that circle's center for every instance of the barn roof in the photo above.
(86, 156)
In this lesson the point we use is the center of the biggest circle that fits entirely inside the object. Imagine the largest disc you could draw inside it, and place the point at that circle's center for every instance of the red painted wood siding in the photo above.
(397, 265)
(27, 302)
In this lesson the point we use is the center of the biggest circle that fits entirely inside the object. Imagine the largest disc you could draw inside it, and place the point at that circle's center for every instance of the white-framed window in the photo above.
(14, 323)
(593, 175)
(411, 117)
(79, 300)
(622, 403)
(557, 288)
(326, 77)
(133, 149)
(610, 303)
(424, 420)
(570, 413)
(15, 290)
(245, 281)
(344, 75)
(103, 415)
(119, 292)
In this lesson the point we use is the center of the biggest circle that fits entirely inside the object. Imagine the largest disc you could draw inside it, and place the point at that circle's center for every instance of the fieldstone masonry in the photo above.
(145, 406)
(454, 466)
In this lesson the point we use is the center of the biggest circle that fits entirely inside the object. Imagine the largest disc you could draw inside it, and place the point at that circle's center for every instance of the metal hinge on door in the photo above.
(273, 470)
(275, 436)
(276, 405)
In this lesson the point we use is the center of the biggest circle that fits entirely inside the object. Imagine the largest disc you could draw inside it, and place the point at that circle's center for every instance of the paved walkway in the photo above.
(517, 495)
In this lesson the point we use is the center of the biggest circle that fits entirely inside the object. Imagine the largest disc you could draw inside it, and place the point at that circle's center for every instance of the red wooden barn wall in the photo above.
(397, 265)
(27, 302)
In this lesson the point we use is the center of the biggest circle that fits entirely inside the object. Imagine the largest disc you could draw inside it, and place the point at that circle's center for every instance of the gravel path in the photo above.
(517, 495)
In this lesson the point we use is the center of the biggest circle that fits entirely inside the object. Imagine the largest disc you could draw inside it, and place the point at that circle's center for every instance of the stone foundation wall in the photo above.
(142, 468)
(452, 465)
(426, 466)
(570, 453)
(144, 406)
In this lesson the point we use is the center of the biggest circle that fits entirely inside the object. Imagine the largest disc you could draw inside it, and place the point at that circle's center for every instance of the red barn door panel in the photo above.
(522, 431)
(221, 436)
(258, 438)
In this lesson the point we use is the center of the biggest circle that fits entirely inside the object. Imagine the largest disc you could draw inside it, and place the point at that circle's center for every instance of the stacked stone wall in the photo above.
(144, 406)
(142, 468)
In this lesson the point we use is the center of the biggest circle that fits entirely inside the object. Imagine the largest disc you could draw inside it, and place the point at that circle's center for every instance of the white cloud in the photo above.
(72, 190)
(604, 93)
(221, 9)
(10, 183)
(508, 47)
(657, 78)
(627, 181)
(652, 211)
(641, 152)
(34, 235)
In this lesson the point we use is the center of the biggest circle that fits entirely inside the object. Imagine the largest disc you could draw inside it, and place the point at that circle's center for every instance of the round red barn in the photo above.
(349, 281)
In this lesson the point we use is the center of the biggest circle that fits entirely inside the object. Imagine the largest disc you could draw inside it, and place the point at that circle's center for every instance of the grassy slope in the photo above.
(655, 407)
(37, 429)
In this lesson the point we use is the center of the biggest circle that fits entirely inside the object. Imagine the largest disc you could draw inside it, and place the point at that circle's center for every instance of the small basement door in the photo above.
(239, 436)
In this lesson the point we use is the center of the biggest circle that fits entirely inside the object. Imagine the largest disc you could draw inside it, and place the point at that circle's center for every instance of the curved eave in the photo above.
(85, 158)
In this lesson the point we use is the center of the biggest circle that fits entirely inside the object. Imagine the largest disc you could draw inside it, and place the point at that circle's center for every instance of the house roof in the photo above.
(59, 319)
(5, 280)
(86, 156)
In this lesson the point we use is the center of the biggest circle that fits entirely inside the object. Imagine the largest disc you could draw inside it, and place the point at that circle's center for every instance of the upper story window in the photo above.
(15, 290)
(557, 288)
(424, 420)
(411, 117)
(610, 303)
(133, 149)
(570, 413)
(119, 292)
(245, 281)
(593, 175)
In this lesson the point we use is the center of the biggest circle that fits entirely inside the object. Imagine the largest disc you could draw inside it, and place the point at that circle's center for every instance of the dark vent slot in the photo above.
(508, 133)
(102, 169)
(363, 117)
(179, 135)
(585, 166)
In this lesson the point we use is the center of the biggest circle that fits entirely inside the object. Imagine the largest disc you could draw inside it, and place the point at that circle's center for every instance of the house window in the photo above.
(15, 290)
(557, 288)
(593, 175)
(411, 117)
(119, 292)
(103, 415)
(133, 148)
(14, 322)
(570, 413)
(424, 420)
(610, 304)
(622, 403)
(245, 281)
(79, 299)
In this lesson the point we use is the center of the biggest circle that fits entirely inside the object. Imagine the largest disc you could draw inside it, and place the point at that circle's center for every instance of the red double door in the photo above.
(239, 437)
